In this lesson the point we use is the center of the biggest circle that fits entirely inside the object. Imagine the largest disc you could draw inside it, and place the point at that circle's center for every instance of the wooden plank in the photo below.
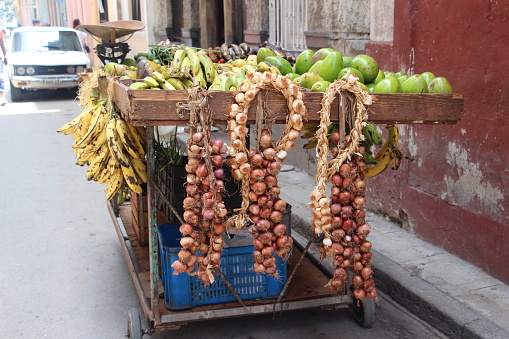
(159, 107)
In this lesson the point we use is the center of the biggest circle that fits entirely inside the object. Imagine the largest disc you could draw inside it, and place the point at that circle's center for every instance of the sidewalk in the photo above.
(447, 292)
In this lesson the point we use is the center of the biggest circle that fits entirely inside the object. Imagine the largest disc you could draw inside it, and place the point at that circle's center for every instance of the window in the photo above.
(43, 41)
(287, 23)
(136, 10)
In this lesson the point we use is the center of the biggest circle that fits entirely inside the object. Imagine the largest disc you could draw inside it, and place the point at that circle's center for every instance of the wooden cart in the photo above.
(306, 288)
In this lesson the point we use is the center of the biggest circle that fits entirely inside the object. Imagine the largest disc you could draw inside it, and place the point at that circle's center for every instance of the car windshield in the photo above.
(43, 41)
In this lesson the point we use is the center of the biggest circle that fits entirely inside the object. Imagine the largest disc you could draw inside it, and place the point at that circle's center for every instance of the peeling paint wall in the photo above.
(454, 194)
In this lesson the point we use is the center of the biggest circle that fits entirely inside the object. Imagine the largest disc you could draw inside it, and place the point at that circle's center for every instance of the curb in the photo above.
(419, 297)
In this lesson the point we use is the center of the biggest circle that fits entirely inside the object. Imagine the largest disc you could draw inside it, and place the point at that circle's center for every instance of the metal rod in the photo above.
(230, 287)
(293, 273)
(165, 199)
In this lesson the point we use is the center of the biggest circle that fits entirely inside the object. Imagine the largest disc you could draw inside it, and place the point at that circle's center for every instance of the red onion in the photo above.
(280, 205)
(366, 246)
(179, 266)
(359, 293)
(357, 280)
(335, 208)
(259, 188)
(276, 216)
(279, 229)
(336, 180)
(186, 242)
(186, 229)
(269, 153)
(263, 225)
(366, 272)
(344, 170)
(219, 173)
(267, 251)
(256, 159)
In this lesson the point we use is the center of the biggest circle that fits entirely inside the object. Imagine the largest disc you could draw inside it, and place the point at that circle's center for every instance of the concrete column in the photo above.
(191, 23)
(256, 28)
(207, 23)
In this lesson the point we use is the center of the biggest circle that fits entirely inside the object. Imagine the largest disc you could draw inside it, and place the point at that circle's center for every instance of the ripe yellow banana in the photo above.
(92, 148)
(140, 168)
(131, 179)
(115, 183)
(128, 139)
(95, 127)
(178, 58)
(98, 162)
(86, 116)
(115, 144)
(388, 154)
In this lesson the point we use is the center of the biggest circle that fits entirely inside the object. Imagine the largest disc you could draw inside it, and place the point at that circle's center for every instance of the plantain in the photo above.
(208, 67)
(98, 162)
(95, 127)
(131, 179)
(177, 83)
(180, 54)
(149, 81)
(114, 184)
(84, 123)
(139, 85)
(140, 168)
(388, 154)
(131, 145)
(115, 144)
(167, 85)
(91, 149)
(195, 61)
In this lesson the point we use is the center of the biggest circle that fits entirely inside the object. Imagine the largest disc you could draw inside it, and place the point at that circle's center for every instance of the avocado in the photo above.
(308, 79)
(415, 84)
(263, 53)
(388, 85)
(282, 64)
(352, 71)
(303, 62)
(367, 65)
(428, 76)
(321, 54)
(320, 86)
(440, 85)
(331, 66)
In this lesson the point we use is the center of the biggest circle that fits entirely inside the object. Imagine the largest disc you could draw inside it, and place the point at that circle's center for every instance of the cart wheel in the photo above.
(364, 311)
(134, 330)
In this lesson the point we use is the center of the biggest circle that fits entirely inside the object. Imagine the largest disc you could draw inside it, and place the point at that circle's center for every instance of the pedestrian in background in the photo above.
(82, 35)
(3, 61)
(36, 23)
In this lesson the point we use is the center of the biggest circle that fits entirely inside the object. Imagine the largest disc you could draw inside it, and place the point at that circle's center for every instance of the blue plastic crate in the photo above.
(184, 291)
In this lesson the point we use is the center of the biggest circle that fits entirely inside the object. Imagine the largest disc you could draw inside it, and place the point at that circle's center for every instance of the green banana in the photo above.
(208, 67)
(177, 83)
(195, 61)
(149, 81)
(178, 58)
(168, 86)
(375, 136)
(139, 85)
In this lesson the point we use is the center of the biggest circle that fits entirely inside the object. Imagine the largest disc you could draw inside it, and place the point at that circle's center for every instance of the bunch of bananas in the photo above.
(189, 67)
(388, 154)
(371, 138)
(234, 51)
(112, 148)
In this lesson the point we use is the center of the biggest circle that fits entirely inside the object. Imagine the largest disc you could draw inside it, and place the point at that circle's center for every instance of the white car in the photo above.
(44, 58)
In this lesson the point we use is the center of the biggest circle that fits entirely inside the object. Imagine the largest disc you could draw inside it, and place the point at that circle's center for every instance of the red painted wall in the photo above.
(454, 194)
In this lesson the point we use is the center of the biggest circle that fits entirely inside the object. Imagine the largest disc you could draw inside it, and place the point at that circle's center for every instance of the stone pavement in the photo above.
(447, 292)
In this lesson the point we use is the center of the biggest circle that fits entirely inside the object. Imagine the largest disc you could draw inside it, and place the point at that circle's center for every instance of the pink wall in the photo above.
(88, 15)
(455, 192)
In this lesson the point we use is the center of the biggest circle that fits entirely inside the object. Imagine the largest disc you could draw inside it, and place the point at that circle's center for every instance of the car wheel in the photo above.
(16, 93)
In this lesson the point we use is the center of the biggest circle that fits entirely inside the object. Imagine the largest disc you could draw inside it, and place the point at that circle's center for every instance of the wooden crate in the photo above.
(144, 107)
(140, 219)
(139, 214)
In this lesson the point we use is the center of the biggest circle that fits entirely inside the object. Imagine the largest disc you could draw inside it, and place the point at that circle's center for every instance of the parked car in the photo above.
(44, 58)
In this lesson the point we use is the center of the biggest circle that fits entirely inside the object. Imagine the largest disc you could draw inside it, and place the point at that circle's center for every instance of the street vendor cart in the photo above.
(272, 272)
(303, 286)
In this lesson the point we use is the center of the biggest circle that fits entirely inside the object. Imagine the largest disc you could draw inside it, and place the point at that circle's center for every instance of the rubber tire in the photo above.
(134, 330)
(364, 311)
(16, 94)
